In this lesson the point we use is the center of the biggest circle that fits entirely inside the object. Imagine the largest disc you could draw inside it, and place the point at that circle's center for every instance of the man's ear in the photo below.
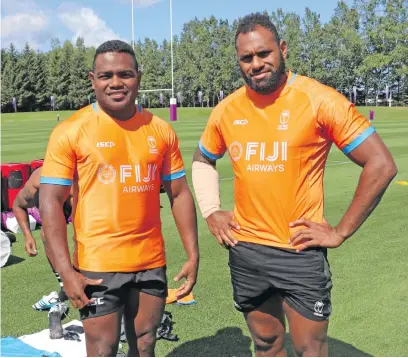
(91, 77)
(284, 48)
(139, 78)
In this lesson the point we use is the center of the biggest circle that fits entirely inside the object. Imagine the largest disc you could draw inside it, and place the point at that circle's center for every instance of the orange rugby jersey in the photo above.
(278, 145)
(116, 168)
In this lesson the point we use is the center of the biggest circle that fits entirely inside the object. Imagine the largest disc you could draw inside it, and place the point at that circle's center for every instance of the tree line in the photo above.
(362, 51)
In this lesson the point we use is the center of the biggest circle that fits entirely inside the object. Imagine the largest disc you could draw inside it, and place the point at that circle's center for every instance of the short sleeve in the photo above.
(212, 143)
(173, 166)
(344, 125)
(60, 159)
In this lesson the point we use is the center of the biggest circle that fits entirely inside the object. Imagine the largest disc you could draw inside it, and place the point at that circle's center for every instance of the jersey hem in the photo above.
(176, 175)
(265, 242)
(209, 154)
(358, 140)
(55, 181)
(115, 268)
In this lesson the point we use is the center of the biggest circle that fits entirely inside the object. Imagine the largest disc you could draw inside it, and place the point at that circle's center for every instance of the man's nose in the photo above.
(257, 63)
(116, 82)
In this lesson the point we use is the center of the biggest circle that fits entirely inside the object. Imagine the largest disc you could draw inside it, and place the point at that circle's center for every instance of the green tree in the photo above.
(153, 70)
(63, 99)
(290, 29)
(186, 57)
(90, 53)
(53, 68)
(364, 45)
(25, 80)
(343, 49)
(40, 82)
(8, 75)
(311, 52)
(80, 86)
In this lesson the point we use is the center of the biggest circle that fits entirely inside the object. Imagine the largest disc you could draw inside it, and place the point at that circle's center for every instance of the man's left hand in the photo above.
(189, 272)
(314, 235)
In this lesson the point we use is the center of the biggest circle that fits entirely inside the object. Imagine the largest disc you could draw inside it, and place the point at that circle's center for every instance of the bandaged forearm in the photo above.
(206, 188)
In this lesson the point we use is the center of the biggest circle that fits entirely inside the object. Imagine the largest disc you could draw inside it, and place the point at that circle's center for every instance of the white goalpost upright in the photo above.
(173, 100)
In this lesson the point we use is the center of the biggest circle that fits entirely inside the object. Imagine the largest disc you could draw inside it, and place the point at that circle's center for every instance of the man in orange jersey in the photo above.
(278, 130)
(115, 155)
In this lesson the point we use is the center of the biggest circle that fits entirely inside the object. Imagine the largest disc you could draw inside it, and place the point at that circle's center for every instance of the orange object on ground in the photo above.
(172, 297)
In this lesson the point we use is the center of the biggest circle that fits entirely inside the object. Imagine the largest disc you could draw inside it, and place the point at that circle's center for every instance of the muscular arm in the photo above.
(378, 170)
(184, 212)
(52, 198)
(23, 201)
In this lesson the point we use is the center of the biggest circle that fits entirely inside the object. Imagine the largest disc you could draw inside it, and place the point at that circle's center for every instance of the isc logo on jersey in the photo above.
(240, 122)
(105, 144)
(263, 156)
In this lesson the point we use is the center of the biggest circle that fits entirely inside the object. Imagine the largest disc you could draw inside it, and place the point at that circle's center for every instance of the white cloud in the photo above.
(87, 24)
(25, 21)
(17, 24)
(25, 27)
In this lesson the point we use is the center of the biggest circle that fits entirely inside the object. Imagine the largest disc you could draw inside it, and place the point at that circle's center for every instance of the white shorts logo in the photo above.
(97, 302)
(107, 174)
(235, 150)
(318, 308)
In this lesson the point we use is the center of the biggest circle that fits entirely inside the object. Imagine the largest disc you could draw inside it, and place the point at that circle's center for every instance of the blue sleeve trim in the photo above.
(55, 181)
(358, 140)
(208, 154)
(174, 176)
(291, 79)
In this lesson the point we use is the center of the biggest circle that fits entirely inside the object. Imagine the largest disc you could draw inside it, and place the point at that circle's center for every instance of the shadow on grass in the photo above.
(231, 342)
(336, 349)
(13, 260)
(227, 342)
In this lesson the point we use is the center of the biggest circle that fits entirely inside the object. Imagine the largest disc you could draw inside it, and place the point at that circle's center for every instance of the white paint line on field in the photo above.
(337, 163)
(229, 178)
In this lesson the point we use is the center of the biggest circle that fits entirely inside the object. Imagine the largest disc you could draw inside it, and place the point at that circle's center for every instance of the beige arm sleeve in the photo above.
(206, 188)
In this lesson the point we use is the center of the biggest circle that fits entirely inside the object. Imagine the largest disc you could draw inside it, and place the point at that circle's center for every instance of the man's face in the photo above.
(115, 81)
(261, 59)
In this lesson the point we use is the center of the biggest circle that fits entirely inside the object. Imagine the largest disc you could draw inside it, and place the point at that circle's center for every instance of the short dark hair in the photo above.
(118, 47)
(249, 22)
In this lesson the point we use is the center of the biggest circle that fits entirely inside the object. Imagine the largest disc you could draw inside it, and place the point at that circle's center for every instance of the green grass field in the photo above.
(370, 271)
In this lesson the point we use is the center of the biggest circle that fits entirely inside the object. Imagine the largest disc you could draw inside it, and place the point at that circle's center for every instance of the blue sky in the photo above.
(37, 21)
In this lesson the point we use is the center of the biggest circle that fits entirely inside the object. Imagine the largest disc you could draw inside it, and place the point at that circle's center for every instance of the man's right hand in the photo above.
(74, 286)
(31, 247)
(220, 224)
